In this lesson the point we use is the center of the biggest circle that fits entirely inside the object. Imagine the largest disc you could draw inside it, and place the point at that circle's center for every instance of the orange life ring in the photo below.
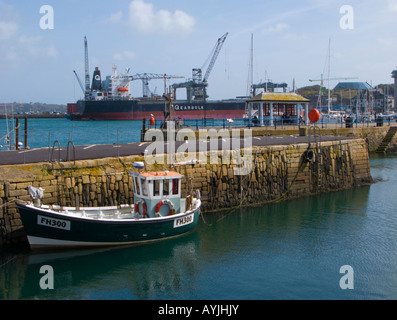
(144, 212)
(164, 202)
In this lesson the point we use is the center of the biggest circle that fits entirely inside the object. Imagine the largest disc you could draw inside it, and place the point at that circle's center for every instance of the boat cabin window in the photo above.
(166, 187)
(149, 187)
(144, 188)
(156, 188)
(175, 186)
(137, 187)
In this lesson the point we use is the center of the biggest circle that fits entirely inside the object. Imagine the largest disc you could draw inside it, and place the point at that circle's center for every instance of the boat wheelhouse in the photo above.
(158, 194)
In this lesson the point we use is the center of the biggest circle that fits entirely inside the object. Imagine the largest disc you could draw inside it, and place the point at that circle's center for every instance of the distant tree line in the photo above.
(31, 108)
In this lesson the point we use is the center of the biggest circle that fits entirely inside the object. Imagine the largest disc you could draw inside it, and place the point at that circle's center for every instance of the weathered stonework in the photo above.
(278, 173)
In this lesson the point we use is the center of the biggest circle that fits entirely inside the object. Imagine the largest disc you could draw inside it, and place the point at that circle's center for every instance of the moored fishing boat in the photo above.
(159, 212)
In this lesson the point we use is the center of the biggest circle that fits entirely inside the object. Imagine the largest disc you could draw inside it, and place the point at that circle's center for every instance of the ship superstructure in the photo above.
(111, 99)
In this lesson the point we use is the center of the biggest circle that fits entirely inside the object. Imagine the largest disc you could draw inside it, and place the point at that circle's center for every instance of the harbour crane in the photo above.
(332, 79)
(146, 77)
(217, 50)
(78, 79)
(329, 89)
(196, 86)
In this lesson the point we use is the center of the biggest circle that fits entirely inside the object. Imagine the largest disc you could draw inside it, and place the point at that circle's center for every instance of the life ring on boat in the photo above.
(164, 202)
(144, 212)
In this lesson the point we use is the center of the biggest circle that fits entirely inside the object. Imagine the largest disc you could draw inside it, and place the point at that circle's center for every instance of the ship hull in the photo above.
(138, 110)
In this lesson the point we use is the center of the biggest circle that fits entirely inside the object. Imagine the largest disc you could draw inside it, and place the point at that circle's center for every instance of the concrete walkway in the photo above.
(121, 150)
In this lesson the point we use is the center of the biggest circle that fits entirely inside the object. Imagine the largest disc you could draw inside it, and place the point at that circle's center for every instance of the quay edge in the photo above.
(278, 173)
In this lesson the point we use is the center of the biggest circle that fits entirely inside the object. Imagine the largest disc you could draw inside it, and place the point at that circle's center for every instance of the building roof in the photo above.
(290, 97)
(161, 174)
(353, 86)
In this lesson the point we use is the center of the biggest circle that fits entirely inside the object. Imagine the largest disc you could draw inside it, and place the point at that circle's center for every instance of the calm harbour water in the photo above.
(290, 250)
(44, 132)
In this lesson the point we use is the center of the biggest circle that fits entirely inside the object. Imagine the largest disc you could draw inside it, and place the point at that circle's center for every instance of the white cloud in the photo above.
(292, 36)
(125, 55)
(33, 47)
(115, 17)
(278, 28)
(7, 30)
(385, 41)
(16, 47)
(52, 52)
(393, 5)
(144, 18)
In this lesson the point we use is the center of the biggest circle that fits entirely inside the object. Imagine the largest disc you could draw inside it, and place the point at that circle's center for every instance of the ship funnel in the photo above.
(96, 80)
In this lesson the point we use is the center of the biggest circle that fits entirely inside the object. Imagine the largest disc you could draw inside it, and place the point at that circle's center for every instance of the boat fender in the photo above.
(164, 202)
(198, 194)
(189, 201)
(144, 212)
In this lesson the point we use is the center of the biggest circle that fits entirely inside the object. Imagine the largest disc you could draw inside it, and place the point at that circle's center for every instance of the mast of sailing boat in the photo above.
(168, 101)
(7, 138)
(168, 105)
(329, 71)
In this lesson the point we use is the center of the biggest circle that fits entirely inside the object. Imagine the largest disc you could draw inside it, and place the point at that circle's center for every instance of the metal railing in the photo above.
(91, 133)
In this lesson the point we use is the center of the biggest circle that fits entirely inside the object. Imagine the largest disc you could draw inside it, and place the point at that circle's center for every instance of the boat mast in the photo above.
(250, 89)
(5, 110)
(329, 71)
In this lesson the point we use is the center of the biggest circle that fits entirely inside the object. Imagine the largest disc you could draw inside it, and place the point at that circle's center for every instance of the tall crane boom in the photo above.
(196, 87)
(332, 79)
(218, 48)
(145, 77)
(78, 79)
(329, 89)
(87, 70)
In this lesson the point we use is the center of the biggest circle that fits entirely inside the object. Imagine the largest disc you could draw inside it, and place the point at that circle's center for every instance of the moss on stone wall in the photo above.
(278, 173)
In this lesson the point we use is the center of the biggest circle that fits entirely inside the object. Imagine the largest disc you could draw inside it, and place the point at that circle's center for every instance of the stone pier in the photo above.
(278, 173)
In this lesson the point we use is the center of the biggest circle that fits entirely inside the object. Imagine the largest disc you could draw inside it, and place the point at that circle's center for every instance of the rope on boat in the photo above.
(8, 261)
(7, 203)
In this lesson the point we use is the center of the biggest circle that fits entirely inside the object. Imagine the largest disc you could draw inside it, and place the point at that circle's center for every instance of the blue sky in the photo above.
(163, 36)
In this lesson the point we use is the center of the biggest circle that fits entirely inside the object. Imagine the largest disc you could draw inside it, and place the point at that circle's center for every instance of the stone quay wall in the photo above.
(278, 173)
